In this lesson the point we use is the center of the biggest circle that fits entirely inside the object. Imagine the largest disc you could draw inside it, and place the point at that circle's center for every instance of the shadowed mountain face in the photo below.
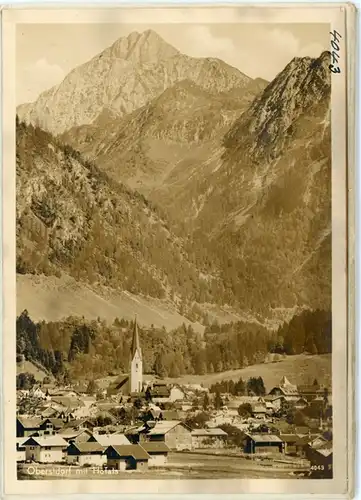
(236, 174)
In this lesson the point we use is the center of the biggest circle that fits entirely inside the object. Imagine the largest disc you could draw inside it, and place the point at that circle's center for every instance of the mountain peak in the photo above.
(145, 47)
(304, 83)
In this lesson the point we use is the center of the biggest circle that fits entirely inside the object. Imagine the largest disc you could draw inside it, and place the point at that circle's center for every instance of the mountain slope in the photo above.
(124, 77)
(71, 218)
(181, 124)
(261, 203)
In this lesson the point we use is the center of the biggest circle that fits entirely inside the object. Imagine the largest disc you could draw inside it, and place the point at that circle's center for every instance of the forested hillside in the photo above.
(78, 349)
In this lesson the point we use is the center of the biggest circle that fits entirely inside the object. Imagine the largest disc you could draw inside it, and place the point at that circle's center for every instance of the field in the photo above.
(51, 299)
(179, 466)
(29, 367)
(299, 369)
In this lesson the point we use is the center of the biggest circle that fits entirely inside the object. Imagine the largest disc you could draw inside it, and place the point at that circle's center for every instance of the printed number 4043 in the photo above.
(335, 54)
(317, 467)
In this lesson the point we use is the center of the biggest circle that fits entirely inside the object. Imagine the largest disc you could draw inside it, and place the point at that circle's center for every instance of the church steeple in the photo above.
(136, 362)
(135, 340)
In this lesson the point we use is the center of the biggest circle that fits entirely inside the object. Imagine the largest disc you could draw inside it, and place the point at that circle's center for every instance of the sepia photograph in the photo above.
(175, 189)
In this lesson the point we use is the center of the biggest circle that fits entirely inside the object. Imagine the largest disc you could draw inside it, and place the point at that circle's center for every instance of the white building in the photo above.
(158, 453)
(136, 363)
(45, 449)
(89, 453)
(209, 438)
(20, 449)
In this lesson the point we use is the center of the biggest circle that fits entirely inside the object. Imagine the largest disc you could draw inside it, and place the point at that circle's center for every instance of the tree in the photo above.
(218, 403)
(198, 421)
(235, 437)
(92, 388)
(255, 385)
(159, 366)
(206, 401)
(240, 387)
(138, 403)
(245, 410)
(25, 381)
(148, 394)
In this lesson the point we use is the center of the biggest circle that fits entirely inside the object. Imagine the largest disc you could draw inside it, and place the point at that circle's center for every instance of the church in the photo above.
(132, 383)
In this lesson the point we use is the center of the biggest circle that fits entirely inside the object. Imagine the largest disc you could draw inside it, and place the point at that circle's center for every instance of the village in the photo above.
(131, 427)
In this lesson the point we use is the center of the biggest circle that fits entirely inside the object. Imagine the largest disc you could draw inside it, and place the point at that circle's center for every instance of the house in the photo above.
(259, 411)
(301, 446)
(120, 386)
(310, 392)
(20, 449)
(50, 426)
(302, 430)
(176, 394)
(75, 435)
(290, 441)
(36, 392)
(68, 402)
(80, 423)
(127, 457)
(208, 438)
(169, 415)
(318, 442)
(27, 426)
(67, 414)
(301, 404)
(86, 453)
(285, 389)
(175, 434)
(49, 411)
(160, 393)
(106, 440)
(263, 444)
(276, 401)
(45, 449)
(321, 458)
(158, 453)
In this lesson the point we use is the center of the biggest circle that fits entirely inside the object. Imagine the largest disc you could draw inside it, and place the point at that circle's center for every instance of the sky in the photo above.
(46, 53)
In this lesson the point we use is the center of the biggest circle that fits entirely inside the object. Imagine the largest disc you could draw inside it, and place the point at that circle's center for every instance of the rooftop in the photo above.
(265, 438)
(132, 450)
(55, 440)
(111, 439)
(163, 426)
(215, 431)
(155, 447)
(289, 438)
(89, 447)
(30, 422)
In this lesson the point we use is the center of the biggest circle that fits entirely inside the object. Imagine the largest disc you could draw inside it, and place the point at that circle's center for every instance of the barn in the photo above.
(158, 453)
(127, 457)
(175, 434)
(88, 453)
(263, 444)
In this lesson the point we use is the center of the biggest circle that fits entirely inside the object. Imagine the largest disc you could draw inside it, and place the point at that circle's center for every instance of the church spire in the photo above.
(135, 340)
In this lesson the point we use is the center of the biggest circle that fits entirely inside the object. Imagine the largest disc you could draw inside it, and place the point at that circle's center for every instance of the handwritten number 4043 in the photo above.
(335, 54)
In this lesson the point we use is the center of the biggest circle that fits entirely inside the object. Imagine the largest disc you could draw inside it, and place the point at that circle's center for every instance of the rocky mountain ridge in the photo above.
(124, 77)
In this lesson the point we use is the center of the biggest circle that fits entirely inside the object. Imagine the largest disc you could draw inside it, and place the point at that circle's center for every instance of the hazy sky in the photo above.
(45, 53)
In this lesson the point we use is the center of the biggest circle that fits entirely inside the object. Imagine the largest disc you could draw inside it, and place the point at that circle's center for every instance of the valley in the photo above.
(181, 191)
